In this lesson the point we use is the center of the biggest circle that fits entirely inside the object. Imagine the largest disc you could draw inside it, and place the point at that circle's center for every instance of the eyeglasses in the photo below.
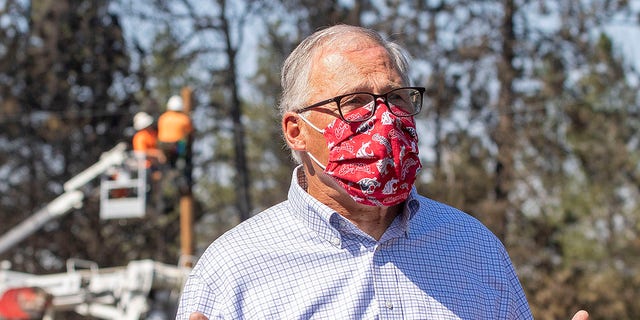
(360, 106)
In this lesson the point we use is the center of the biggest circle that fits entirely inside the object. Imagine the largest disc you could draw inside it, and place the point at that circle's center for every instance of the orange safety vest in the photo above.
(173, 126)
(144, 140)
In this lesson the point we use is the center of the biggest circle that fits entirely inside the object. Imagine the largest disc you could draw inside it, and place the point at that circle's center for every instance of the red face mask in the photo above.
(376, 161)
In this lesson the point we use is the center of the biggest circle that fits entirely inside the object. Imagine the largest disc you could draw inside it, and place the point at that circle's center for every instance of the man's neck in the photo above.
(372, 220)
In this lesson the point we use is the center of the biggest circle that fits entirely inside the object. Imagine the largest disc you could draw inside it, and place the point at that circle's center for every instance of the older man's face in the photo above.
(361, 67)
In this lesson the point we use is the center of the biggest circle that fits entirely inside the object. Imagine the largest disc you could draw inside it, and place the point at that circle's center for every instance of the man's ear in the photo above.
(292, 132)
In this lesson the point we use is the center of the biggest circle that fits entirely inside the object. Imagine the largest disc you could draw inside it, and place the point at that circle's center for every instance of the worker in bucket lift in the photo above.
(145, 143)
(174, 132)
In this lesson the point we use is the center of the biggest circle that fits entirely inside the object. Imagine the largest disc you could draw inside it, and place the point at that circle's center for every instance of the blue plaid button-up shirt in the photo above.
(302, 260)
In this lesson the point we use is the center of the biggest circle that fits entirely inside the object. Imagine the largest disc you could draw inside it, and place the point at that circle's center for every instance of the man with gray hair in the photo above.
(354, 240)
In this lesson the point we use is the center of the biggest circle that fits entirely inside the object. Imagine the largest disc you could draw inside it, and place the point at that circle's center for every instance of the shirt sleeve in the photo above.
(197, 296)
(518, 304)
(138, 142)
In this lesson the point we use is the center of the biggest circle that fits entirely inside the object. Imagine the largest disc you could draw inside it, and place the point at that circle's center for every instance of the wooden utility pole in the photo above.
(186, 198)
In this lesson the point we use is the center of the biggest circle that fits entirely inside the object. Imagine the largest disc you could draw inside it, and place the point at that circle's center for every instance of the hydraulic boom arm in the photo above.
(71, 198)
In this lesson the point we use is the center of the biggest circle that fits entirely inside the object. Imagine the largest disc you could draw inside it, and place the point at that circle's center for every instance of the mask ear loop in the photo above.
(307, 152)
(311, 124)
(316, 160)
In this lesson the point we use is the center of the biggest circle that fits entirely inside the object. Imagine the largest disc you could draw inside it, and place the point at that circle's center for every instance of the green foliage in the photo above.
(588, 228)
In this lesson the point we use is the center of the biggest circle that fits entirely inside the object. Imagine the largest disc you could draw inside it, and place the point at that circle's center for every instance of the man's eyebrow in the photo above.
(352, 89)
(364, 88)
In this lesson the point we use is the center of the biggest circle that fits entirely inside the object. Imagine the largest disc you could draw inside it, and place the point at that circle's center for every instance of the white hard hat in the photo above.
(142, 120)
(175, 103)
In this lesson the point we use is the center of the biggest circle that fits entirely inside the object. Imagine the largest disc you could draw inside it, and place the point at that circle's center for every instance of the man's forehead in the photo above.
(333, 59)
(352, 59)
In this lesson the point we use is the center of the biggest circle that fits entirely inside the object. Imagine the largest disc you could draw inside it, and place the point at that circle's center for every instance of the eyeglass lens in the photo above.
(402, 102)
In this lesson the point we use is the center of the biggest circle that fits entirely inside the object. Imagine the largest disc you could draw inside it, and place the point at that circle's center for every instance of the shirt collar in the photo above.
(313, 213)
(411, 208)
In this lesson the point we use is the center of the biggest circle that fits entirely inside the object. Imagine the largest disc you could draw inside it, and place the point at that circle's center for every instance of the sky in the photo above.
(627, 41)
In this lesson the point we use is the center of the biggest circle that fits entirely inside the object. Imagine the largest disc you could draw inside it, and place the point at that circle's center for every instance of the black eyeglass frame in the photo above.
(384, 97)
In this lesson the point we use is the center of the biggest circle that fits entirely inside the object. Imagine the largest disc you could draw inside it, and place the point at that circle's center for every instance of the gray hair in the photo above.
(297, 67)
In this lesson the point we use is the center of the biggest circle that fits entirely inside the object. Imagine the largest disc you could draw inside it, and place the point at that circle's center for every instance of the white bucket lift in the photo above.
(122, 196)
(123, 189)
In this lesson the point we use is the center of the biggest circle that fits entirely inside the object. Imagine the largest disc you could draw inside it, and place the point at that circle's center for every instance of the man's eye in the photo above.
(399, 98)
(356, 101)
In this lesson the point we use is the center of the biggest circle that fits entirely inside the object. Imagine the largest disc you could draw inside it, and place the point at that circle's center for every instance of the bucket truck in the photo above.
(140, 290)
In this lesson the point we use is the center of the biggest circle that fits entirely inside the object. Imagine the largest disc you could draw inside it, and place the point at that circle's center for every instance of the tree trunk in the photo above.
(243, 196)
(504, 133)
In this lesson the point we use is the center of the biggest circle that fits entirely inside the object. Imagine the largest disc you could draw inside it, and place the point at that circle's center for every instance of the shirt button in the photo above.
(336, 241)
(389, 305)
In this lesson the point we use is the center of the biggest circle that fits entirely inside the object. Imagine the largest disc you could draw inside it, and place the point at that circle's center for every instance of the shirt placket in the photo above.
(385, 283)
